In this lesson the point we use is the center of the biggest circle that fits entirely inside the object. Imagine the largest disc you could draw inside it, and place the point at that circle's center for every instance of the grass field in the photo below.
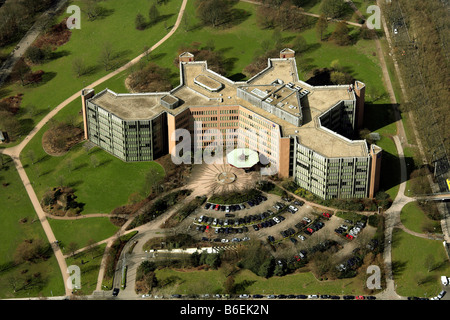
(81, 231)
(15, 206)
(211, 281)
(89, 263)
(414, 219)
(411, 259)
(108, 185)
(61, 82)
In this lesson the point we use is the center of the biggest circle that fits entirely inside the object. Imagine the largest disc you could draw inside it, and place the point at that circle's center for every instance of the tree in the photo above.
(31, 156)
(94, 161)
(10, 124)
(341, 34)
(92, 9)
(72, 248)
(153, 14)
(78, 66)
(139, 22)
(321, 26)
(106, 55)
(37, 55)
(266, 17)
(30, 250)
(299, 44)
(213, 12)
(338, 77)
(333, 8)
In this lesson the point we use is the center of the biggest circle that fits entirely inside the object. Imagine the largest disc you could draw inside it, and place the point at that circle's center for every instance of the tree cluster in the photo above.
(151, 78)
(423, 61)
(282, 14)
(213, 12)
(215, 59)
(16, 17)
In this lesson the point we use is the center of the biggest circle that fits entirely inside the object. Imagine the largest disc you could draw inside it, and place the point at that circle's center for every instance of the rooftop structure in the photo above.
(317, 118)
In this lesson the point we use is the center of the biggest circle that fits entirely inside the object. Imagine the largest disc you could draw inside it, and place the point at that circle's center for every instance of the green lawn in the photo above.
(15, 205)
(211, 281)
(414, 219)
(411, 258)
(101, 189)
(81, 231)
(89, 263)
(60, 82)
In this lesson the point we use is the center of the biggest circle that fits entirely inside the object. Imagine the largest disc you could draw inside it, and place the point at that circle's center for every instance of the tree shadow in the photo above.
(398, 267)
(26, 125)
(103, 13)
(228, 64)
(46, 77)
(161, 18)
(74, 184)
(90, 70)
(242, 286)
(156, 56)
(44, 158)
(308, 4)
(58, 54)
(237, 16)
(80, 166)
(46, 172)
(104, 162)
(4, 92)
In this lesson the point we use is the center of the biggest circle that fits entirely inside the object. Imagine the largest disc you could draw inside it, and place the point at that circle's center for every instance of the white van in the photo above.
(444, 280)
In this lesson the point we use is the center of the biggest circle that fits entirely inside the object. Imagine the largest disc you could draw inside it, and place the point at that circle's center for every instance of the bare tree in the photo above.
(106, 55)
(78, 66)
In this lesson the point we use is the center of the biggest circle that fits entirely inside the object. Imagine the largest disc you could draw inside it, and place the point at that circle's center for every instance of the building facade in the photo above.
(302, 131)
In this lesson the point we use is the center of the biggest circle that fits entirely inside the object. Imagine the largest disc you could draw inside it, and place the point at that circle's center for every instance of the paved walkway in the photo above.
(28, 39)
(14, 152)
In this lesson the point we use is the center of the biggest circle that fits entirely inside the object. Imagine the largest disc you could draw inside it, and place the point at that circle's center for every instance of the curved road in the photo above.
(14, 152)
(392, 214)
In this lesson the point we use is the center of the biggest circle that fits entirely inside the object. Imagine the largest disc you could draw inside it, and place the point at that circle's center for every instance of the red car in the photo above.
(349, 236)
(326, 214)
(217, 207)
(359, 297)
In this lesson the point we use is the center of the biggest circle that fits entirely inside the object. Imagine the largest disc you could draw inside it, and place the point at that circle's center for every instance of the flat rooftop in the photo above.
(130, 106)
(278, 82)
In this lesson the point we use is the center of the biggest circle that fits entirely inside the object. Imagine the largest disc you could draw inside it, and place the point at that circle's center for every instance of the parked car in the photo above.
(326, 215)
(115, 292)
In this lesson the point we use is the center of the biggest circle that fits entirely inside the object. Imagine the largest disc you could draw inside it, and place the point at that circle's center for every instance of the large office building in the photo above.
(303, 131)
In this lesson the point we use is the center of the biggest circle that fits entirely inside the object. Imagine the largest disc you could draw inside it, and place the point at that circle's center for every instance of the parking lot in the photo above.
(287, 224)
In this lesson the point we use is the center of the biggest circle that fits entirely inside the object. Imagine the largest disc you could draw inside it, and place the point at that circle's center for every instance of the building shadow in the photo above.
(377, 116)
